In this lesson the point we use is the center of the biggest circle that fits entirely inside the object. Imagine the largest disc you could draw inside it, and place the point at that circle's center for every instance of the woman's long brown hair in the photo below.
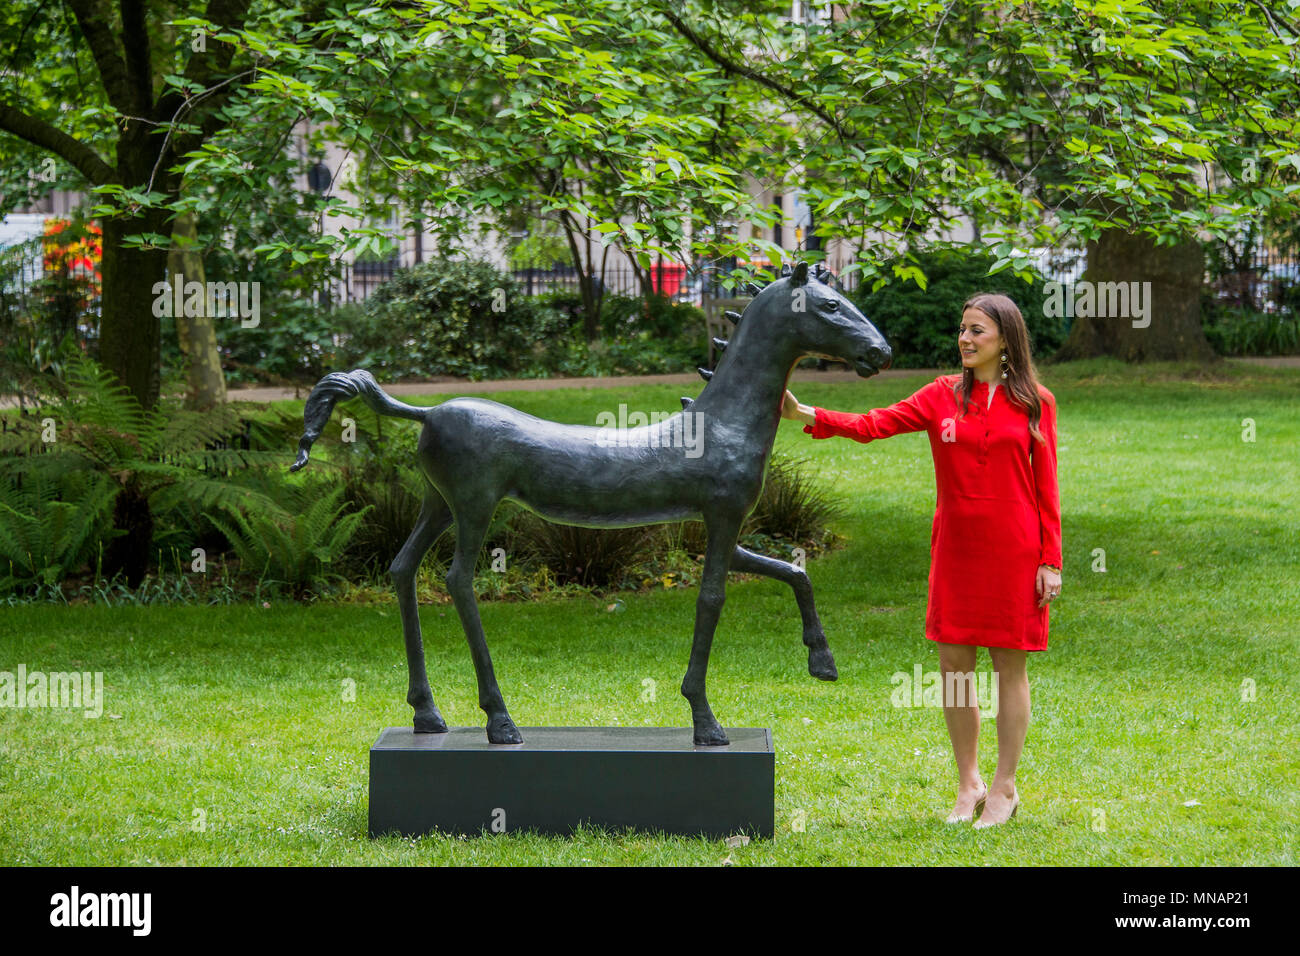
(1022, 377)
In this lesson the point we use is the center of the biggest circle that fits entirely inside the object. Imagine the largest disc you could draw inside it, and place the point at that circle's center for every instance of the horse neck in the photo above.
(750, 380)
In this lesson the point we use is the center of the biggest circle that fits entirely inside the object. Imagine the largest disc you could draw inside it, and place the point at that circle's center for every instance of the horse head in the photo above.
(817, 320)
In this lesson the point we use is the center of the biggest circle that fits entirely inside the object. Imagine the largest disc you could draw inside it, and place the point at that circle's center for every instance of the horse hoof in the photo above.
(821, 663)
(430, 724)
(713, 736)
(502, 730)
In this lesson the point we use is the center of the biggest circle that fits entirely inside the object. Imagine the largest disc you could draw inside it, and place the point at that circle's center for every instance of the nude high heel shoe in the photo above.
(979, 808)
(1015, 805)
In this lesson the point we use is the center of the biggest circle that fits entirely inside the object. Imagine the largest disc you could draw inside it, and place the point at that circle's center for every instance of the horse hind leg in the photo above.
(435, 518)
(471, 528)
(821, 662)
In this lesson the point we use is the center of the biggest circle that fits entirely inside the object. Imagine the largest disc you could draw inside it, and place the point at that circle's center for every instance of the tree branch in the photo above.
(732, 67)
(226, 15)
(1273, 24)
(209, 69)
(40, 133)
(93, 20)
(740, 70)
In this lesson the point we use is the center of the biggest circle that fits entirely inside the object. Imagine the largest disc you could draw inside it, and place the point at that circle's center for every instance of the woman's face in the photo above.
(979, 340)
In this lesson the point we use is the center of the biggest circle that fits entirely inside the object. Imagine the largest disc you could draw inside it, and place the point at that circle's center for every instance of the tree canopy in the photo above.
(1043, 123)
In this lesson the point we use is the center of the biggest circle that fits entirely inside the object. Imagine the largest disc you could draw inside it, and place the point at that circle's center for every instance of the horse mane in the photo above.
(818, 272)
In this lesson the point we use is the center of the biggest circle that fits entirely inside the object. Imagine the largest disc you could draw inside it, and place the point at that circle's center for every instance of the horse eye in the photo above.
(832, 305)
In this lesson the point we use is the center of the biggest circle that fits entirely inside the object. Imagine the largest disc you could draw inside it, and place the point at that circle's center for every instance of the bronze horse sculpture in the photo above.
(474, 453)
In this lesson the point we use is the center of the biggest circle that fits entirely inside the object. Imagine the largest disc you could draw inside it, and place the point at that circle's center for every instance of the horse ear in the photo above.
(800, 274)
(785, 269)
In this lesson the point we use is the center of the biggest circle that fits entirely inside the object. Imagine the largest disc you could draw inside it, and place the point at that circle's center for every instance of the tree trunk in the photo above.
(129, 332)
(129, 553)
(1162, 286)
(129, 345)
(591, 298)
(644, 277)
(197, 335)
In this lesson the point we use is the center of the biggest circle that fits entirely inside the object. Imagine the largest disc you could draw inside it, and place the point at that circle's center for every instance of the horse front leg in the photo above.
(434, 519)
(708, 607)
(821, 662)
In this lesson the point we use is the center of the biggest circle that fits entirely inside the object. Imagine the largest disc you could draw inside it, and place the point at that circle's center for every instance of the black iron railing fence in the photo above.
(357, 281)
(1264, 281)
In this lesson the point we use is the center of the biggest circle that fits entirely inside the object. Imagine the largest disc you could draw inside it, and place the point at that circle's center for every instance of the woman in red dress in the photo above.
(993, 438)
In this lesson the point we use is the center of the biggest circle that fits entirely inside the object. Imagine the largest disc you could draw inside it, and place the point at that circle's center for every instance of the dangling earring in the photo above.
(1004, 364)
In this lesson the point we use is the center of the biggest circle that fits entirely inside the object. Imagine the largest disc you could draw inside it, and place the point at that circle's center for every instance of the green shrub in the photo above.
(921, 325)
(293, 341)
(592, 557)
(643, 355)
(463, 318)
(567, 302)
(1234, 331)
(377, 474)
(451, 317)
(294, 551)
(794, 505)
(390, 495)
(626, 317)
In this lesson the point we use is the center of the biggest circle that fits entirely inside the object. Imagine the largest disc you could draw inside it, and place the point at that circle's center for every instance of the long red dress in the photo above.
(997, 516)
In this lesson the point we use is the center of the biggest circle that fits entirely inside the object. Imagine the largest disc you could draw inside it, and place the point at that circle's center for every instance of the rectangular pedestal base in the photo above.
(644, 778)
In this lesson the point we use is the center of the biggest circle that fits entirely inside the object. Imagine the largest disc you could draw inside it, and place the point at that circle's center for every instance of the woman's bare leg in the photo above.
(962, 714)
(1013, 724)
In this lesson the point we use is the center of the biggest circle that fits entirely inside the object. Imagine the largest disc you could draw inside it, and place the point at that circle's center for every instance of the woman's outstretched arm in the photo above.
(912, 414)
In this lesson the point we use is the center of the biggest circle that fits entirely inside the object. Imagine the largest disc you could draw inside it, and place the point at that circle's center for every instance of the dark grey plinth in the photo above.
(645, 778)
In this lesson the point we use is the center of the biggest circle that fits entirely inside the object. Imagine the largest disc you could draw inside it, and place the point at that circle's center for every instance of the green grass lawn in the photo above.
(227, 739)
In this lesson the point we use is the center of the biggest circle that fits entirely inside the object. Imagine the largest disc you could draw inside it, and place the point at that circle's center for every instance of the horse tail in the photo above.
(339, 387)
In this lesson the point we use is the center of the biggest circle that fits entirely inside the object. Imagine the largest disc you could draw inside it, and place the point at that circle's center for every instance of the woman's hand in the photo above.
(790, 408)
(1048, 586)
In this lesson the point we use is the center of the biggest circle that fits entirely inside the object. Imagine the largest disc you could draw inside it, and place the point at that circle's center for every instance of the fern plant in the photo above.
(296, 549)
(48, 528)
(152, 460)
